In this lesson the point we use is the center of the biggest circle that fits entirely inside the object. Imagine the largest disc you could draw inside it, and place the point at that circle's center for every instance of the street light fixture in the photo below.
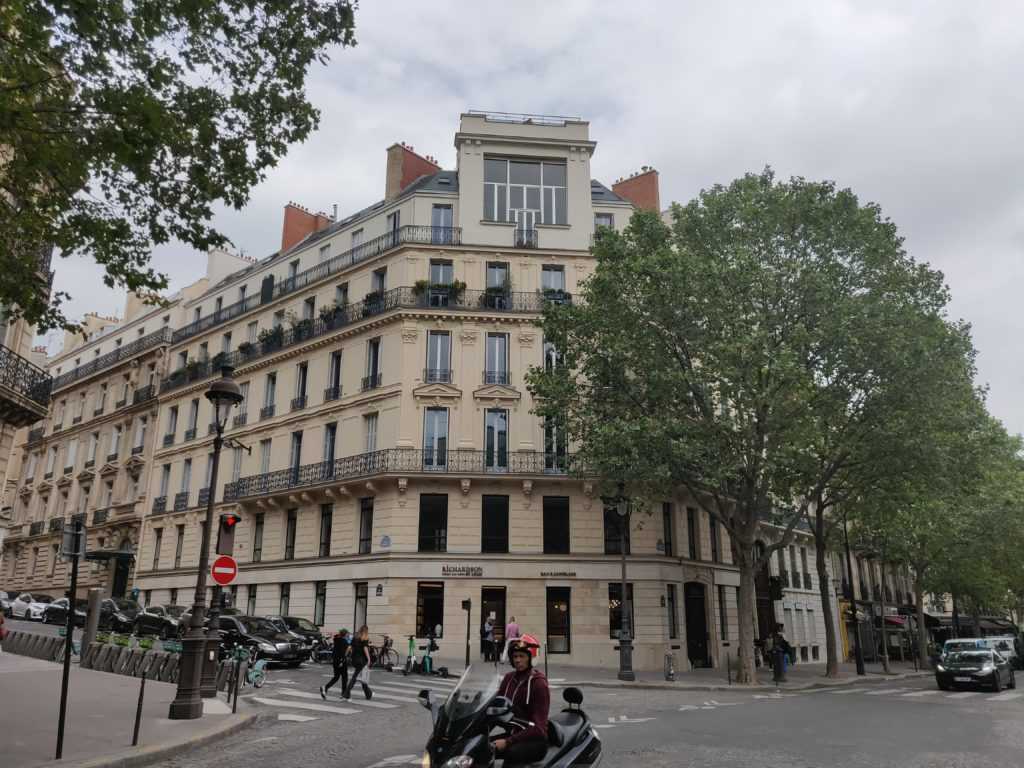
(625, 631)
(223, 394)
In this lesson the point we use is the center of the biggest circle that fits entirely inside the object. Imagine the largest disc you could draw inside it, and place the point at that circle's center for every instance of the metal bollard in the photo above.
(728, 667)
(670, 666)
(138, 712)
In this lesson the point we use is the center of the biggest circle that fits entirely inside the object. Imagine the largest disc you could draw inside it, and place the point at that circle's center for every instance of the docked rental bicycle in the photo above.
(384, 656)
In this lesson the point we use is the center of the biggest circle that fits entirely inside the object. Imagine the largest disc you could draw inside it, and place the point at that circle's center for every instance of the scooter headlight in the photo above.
(462, 761)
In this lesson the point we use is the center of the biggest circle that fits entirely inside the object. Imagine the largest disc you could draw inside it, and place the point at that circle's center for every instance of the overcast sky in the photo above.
(917, 107)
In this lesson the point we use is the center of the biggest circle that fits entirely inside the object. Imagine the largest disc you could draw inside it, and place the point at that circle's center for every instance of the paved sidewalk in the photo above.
(100, 718)
(798, 677)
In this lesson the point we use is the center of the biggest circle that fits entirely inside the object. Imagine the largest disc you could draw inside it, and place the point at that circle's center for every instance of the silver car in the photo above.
(29, 606)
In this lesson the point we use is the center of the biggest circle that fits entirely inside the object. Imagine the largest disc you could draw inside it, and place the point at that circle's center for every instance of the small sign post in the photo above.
(224, 570)
(73, 549)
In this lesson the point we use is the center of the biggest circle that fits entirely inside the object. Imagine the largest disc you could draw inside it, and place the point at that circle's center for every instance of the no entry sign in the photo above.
(224, 570)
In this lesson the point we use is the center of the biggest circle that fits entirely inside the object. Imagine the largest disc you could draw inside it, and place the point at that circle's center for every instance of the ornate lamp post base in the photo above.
(626, 660)
(187, 704)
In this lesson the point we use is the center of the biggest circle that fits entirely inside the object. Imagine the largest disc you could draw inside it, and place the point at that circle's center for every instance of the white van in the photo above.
(1003, 644)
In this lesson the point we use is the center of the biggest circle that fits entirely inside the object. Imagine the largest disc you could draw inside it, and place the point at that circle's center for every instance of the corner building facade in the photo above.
(385, 462)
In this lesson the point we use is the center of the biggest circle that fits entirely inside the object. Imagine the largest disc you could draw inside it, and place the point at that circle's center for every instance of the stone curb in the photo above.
(667, 686)
(139, 756)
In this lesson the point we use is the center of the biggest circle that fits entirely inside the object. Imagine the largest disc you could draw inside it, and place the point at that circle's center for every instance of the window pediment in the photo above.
(437, 390)
(498, 392)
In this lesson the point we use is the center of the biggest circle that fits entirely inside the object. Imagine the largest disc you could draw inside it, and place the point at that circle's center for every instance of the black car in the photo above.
(57, 612)
(186, 617)
(160, 620)
(308, 632)
(980, 666)
(263, 639)
(118, 614)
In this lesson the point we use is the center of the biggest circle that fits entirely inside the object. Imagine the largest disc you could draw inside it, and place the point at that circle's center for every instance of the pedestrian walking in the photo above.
(511, 633)
(339, 660)
(359, 654)
(487, 634)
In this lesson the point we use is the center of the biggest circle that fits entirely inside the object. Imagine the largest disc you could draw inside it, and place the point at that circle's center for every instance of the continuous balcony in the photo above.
(415, 235)
(401, 461)
(122, 353)
(377, 303)
(24, 390)
(143, 395)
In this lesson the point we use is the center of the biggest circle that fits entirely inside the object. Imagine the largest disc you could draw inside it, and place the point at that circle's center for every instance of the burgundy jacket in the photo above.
(530, 697)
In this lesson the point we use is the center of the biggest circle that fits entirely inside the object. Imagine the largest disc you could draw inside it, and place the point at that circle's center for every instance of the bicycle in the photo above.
(385, 656)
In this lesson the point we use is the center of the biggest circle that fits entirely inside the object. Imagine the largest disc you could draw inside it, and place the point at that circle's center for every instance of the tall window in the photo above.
(441, 272)
(441, 221)
(692, 533)
(603, 220)
(165, 480)
(334, 377)
(497, 275)
(357, 238)
(794, 565)
(236, 464)
(365, 525)
(265, 456)
(716, 555)
(295, 458)
(115, 441)
(551, 356)
(615, 608)
(291, 523)
(379, 279)
(370, 429)
(319, 602)
(807, 573)
(556, 525)
(341, 293)
(69, 461)
(361, 600)
(301, 379)
(158, 541)
(496, 371)
(326, 522)
(555, 445)
(372, 363)
(673, 613)
(330, 438)
(552, 278)
(286, 598)
(435, 438)
(250, 601)
(439, 358)
(252, 332)
(496, 440)
(524, 191)
(179, 545)
(257, 537)
(429, 608)
(174, 596)
(494, 524)
(433, 534)
(668, 527)
(325, 252)
(225, 343)
(559, 619)
(393, 223)
(186, 476)
(193, 414)
(614, 527)
(172, 422)
(270, 391)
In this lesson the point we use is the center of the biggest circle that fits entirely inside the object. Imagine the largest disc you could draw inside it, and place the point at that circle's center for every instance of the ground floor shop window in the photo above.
(429, 608)
(360, 615)
(286, 599)
(615, 609)
(815, 653)
(556, 525)
(433, 535)
(320, 603)
(559, 620)
(494, 524)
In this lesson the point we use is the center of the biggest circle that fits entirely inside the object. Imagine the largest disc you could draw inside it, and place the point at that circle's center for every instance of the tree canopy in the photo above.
(122, 124)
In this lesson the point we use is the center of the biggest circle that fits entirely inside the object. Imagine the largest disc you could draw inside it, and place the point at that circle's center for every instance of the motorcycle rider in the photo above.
(527, 689)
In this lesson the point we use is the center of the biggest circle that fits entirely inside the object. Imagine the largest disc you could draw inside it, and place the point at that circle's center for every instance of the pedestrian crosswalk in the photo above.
(925, 693)
(390, 691)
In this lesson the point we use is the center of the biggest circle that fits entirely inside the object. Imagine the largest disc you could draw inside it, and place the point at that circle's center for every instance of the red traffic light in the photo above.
(230, 520)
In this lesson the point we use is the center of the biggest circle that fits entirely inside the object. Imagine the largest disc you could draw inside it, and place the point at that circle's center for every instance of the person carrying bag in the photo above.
(360, 658)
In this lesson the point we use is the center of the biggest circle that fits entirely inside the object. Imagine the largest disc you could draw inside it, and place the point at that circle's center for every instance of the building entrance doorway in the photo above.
(492, 604)
(763, 599)
(695, 602)
(122, 567)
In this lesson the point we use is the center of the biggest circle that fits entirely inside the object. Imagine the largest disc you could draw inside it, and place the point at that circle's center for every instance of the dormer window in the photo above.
(526, 192)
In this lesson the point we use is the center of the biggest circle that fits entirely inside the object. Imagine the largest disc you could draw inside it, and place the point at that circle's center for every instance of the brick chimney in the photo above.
(641, 189)
(404, 167)
(300, 222)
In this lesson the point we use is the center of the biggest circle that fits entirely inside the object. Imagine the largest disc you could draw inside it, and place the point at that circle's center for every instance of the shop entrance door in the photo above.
(492, 602)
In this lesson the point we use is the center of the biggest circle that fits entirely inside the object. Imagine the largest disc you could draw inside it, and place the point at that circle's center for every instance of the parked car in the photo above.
(161, 620)
(57, 612)
(263, 639)
(979, 666)
(186, 617)
(118, 614)
(6, 598)
(308, 633)
(29, 606)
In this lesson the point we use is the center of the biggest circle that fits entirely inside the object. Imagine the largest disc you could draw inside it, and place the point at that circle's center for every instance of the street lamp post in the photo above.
(223, 394)
(626, 631)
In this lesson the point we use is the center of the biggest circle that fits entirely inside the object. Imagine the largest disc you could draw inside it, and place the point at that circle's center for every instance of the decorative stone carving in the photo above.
(410, 335)
(468, 338)
(526, 338)
(528, 492)
(403, 484)
(588, 493)
(464, 485)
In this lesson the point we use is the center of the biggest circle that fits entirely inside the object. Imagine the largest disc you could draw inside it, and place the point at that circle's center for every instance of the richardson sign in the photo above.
(558, 574)
(462, 571)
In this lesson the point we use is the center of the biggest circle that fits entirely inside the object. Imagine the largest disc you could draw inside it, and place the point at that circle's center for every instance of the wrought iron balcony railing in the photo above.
(27, 380)
(168, 439)
(112, 457)
(266, 412)
(122, 353)
(181, 501)
(100, 516)
(56, 524)
(497, 377)
(190, 434)
(401, 461)
(36, 528)
(525, 238)
(204, 497)
(285, 286)
(376, 303)
(138, 449)
(159, 504)
(437, 375)
(298, 403)
(332, 393)
(240, 419)
(144, 394)
(35, 435)
(121, 403)
(372, 381)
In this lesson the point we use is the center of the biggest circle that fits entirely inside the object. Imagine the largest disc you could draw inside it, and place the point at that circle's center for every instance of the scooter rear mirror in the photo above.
(499, 707)
(424, 699)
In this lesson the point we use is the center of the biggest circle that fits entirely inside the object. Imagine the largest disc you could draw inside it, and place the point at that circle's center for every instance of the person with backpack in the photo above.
(339, 659)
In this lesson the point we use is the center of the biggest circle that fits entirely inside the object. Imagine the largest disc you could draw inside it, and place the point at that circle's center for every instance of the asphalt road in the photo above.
(908, 723)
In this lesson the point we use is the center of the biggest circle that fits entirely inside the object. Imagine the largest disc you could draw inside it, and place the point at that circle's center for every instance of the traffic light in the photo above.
(226, 534)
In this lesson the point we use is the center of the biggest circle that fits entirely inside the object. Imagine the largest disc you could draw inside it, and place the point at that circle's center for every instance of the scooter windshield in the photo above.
(476, 688)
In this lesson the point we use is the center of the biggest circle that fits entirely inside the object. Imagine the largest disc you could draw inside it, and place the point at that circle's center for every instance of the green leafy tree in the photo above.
(122, 124)
(712, 355)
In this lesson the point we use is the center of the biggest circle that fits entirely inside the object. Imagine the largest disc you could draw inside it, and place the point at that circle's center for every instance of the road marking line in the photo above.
(1005, 697)
(410, 686)
(390, 696)
(295, 718)
(304, 705)
(963, 695)
(846, 691)
(885, 691)
(919, 694)
(307, 695)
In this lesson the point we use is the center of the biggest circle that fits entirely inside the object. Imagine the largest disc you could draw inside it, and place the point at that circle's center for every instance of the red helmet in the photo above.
(526, 643)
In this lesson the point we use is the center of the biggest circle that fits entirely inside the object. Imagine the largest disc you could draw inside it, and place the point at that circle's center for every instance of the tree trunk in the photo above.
(881, 600)
(825, 588)
(922, 638)
(746, 674)
(956, 617)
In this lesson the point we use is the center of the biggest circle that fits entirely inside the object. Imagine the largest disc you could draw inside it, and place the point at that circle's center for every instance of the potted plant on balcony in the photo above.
(556, 295)
(302, 328)
(193, 369)
(218, 360)
(271, 338)
(439, 294)
(373, 303)
(331, 315)
(497, 296)
(246, 348)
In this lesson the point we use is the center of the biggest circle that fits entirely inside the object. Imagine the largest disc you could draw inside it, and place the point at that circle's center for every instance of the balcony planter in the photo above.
(439, 294)
(193, 369)
(271, 338)
(246, 348)
(497, 296)
(556, 296)
(302, 329)
(218, 360)
(372, 303)
(332, 316)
